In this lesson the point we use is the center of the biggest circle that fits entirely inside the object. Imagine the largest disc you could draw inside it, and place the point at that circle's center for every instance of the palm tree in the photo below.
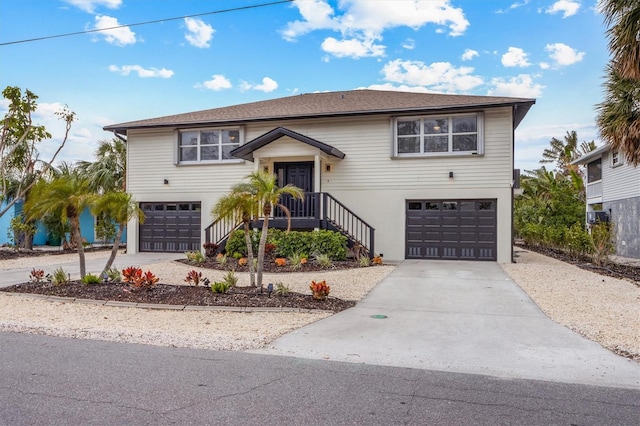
(265, 188)
(623, 19)
(68, 194)
(619, 115)
(563, 152)
(119, 207)
(240, 205)
(108, 172)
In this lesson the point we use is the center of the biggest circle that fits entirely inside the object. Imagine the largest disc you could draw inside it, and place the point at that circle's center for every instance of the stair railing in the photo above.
(347, 222)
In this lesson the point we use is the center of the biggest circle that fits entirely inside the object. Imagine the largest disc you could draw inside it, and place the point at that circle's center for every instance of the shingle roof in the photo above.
(330, 104)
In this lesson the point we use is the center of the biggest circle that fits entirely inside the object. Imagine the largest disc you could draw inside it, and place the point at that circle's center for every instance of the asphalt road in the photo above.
(56, 381)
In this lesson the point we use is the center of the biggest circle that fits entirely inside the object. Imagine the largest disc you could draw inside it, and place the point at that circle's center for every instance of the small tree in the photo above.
(19, 156)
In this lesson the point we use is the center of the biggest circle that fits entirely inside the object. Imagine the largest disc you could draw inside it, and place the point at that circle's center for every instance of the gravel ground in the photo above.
(603, 309)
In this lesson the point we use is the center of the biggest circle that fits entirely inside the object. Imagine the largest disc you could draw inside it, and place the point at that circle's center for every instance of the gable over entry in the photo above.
(246, 151)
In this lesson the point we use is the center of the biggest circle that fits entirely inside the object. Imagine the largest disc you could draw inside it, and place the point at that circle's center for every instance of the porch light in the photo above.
(450, 175)
(166, 181)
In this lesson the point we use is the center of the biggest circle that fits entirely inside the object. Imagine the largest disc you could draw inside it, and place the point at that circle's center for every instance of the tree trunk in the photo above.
(247, 237)
(77, 238)
(114, 250)
(261, 248)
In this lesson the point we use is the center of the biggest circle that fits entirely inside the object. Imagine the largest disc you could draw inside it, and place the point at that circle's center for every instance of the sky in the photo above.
(169, 57)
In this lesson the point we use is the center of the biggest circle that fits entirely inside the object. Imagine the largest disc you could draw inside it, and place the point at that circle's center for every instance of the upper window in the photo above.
(616, 158)
(594, 170)
(196, 146)
(439, 135)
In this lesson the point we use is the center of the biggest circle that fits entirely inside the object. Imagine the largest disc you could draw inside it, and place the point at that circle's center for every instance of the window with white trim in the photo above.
(439, 135)
(616, 158)
(207, 146)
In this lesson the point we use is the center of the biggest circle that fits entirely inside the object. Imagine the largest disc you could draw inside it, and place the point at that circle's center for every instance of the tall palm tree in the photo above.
(563, 152)
(240, 205)
(119, 207)
(68, 194)
(108, 172)
(623, 19)
(265, 188)
(619, 115)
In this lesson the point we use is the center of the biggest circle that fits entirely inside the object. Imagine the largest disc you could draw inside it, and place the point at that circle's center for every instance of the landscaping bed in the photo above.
(182, 295)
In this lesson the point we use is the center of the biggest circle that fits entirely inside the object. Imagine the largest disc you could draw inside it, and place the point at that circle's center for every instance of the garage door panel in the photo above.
(451, 229)
(170, 227)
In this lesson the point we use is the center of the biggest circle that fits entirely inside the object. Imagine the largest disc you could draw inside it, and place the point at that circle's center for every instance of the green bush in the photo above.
(578, 241)
(330, 243)
(602, 238)
(59, 277)
(220, 287)
(90, 279)
(195, 257)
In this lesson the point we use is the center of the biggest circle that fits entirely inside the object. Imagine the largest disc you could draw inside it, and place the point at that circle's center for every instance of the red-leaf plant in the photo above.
(320, 289)
(193, 277)
(134, 276)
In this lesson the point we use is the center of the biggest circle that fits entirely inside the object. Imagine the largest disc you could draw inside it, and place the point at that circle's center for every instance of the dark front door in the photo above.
(299, 174)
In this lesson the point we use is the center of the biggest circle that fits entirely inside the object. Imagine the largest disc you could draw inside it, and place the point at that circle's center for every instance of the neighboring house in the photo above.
(42, 237)
(613, 193)
(431, 173)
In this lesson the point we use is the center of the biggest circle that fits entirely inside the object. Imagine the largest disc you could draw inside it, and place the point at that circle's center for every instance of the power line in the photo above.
(234, 9)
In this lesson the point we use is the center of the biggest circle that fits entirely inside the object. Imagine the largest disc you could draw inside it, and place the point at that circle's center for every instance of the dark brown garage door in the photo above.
(170, 227)
(451, 229)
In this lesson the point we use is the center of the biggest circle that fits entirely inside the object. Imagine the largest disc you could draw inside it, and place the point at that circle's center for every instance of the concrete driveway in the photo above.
(457, 316)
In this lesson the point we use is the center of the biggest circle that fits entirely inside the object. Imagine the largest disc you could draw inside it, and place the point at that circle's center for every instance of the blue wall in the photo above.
(41, 238)
(5, 222)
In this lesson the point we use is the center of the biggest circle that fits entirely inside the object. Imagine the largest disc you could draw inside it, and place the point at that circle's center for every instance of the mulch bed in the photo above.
(610, 269)
(182, 295)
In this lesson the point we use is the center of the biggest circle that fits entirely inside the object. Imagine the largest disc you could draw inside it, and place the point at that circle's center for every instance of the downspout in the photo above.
(119, 136)
(513, 151)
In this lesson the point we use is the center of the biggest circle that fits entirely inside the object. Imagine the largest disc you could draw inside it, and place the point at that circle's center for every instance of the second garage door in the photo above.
(451, 229)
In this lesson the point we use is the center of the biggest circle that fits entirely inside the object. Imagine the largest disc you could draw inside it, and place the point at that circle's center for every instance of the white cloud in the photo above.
(399, 88)
(199, 33)
(352, 48)
(513, 6)
(268, 85)
(515, 57)
(563, 55)
(439, 76)
(521, 86)
(469, 54)
(90, 5)
(566, 7)
(118, 36)
(217, 82)
(544, 65)
(142, 72)
(362, 23)
(409, 44)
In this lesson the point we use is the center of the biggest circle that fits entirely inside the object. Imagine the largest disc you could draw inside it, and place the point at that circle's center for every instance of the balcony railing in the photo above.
(320, 209)
(594, 189)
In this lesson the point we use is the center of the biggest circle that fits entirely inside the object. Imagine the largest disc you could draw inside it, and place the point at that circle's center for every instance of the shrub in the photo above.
(195, 257)
(231, 279)
(60, 277)
(134, 276)
(236, 243)
(220, 287)
(237, 255)
(377, 260)
(221, 259)
(323, 260)
(602, 237)
(281, 261)
(36, 275)
(281, 289)
(330, 243)
(577, 240)
(193, 278)
(320, 289)
(210, 248)
(114, 276)
(90, 279)
(364, 260)
(243, 261)
(269, 249)
(297, 260)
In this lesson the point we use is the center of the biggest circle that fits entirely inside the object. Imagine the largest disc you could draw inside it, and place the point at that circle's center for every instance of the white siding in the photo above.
(619, 182)
(368, 180)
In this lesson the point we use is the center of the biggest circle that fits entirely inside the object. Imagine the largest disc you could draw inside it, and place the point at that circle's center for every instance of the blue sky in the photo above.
(554, 51)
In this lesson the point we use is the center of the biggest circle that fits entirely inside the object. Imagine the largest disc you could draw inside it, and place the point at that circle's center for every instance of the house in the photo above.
(42, 235)
(406, 175)
(613, 194)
